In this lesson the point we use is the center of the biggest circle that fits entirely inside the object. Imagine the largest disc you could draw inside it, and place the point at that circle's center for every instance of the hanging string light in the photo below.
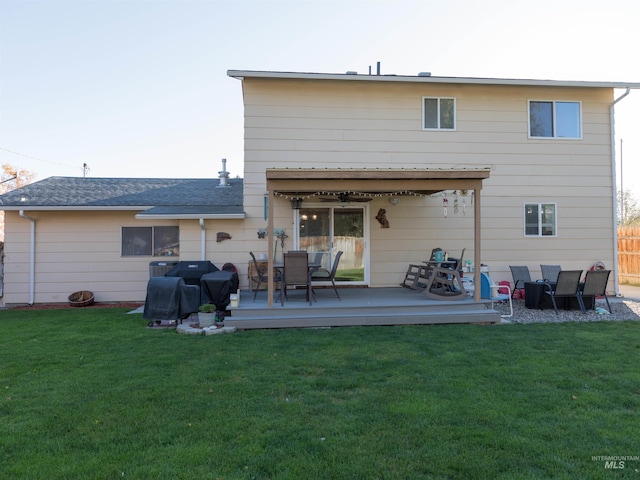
(460, 197)
(353, 193)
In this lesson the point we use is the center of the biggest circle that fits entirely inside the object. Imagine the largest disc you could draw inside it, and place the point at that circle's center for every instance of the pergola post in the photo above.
(477, 233)
(270, 242)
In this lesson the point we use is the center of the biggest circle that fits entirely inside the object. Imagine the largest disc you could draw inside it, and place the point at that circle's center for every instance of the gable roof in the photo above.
(155, 197)
(427, 78)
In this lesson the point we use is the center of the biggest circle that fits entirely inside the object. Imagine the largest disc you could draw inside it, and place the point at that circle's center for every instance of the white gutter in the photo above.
(616, 286)
(203, 240)
(32, 257)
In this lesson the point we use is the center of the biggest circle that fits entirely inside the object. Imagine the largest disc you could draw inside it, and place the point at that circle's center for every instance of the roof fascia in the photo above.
(212, 216)
(241, 74)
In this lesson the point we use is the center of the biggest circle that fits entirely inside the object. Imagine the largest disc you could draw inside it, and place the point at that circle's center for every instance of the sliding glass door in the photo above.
(327, 230)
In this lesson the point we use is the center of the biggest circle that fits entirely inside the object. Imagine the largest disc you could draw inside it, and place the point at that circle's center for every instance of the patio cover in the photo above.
(397, 181)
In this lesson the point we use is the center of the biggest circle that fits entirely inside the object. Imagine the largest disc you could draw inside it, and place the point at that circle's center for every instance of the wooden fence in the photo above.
(629, 255)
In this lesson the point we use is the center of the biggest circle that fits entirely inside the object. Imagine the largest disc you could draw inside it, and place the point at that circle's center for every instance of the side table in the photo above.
(533, 292)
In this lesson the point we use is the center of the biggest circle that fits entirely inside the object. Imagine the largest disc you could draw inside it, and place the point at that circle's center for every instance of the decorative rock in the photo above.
(214, 331)
(196, 329)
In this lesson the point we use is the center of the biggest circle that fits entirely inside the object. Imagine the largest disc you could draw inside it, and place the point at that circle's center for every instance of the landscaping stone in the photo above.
(196, 329)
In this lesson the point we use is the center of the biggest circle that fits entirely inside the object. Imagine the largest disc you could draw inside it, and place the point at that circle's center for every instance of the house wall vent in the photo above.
(158, 269)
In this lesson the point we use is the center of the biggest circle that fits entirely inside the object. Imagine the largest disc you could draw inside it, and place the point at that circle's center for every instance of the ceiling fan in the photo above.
(344, 197)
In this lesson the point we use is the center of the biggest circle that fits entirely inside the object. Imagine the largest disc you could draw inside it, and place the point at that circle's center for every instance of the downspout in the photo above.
(32, 257)
(203, 240)
(616, 286)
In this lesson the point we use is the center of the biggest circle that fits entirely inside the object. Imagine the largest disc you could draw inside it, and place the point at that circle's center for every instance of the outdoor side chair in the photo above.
(595, 284)
(567, 286)
(259, 276)
(520, 275)
(550, 273)
(296, 273)
(490, 291)
(322, 274)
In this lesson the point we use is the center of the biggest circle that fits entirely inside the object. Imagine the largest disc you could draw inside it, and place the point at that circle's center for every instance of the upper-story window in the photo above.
(549, 119)
(438, 113)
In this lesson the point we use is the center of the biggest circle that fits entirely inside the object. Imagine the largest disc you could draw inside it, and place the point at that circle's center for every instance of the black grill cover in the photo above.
(218, 286)
(170, 298)
(192, 272)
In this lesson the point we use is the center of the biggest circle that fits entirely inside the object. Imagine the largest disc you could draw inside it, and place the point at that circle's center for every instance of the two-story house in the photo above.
(382, 167)
(547, 148)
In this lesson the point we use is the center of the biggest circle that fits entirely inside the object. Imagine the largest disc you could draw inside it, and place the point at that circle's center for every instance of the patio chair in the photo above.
(317, 258)
(520, 275)
(595, 285)
(490, 291)
(296, 273)
(444, 281)
(418, 274)
(322, 274)
(259, 276)
(457, 262)
(566, 286)
(550, 273)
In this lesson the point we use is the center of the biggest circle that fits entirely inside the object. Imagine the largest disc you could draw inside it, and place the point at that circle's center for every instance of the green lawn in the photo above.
(350, 275)
(94, 394)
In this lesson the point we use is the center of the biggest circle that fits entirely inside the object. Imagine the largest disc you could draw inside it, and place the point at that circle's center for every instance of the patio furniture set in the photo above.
(561, 287)
(441, 278)
(297, 270)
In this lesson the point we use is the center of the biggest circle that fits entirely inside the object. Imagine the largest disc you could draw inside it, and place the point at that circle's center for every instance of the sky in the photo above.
(140, 88)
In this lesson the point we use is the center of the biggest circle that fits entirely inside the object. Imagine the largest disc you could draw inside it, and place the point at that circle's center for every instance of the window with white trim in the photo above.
(551, 119)
(438, 113)
(150, 241)
(540, 220)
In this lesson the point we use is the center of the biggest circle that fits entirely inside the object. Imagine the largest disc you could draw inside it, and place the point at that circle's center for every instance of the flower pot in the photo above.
(206, 319)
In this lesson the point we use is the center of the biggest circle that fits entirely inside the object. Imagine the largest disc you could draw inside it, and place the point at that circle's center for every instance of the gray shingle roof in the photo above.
(157, 196)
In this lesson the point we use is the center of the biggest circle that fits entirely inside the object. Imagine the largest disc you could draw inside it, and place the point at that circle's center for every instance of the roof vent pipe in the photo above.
(223, 174)
(378, 68)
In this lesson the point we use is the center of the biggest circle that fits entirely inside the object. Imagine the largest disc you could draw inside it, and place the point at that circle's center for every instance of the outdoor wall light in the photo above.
(296, 203)
(394, 201)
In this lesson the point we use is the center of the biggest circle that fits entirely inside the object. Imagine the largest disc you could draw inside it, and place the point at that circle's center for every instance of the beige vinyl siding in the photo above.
(82, 251)
(333, 124)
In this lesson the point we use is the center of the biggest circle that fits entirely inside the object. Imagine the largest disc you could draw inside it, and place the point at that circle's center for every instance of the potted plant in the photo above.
(207, 315)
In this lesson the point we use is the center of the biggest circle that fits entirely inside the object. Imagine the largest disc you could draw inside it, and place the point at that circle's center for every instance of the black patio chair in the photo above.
(566, 286)
(595, 285)
(520, 275)
(324, 275)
